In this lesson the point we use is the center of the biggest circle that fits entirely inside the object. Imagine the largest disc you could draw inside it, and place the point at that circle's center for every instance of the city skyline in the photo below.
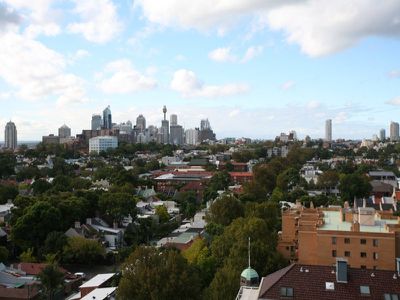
(246, 61)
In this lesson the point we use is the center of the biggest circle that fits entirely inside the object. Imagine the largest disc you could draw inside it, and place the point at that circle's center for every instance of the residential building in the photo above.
(10, 136)
(337, 281)
(99, 288)
(328, 130)
(394, 131)
(97, 122)
(64, 132)
(102, 143)
(107, 118)
(316, 236)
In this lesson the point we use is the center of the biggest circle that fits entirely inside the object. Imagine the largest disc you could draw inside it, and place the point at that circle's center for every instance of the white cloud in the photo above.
(8, 17)
(252, 52)
(222, 55)
(36, 71)
(318, 27)
(188, 85)
(124, 78)
(394, 74)
(288, 85)
(99, 20)
(42, 18)
(394, 101)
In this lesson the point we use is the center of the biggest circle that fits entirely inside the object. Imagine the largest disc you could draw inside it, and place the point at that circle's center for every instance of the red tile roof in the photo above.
(311, 284)
(34, 268)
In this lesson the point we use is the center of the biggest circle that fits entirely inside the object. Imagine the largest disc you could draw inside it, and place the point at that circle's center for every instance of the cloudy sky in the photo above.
(255, 68)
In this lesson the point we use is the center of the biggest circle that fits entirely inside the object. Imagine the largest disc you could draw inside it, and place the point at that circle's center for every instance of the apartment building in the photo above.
(317, 236)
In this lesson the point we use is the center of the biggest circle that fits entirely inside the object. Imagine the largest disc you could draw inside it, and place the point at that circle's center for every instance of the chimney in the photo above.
(77, 224)
(89, 221)
(364, 203)
(341, 270)
(346, 205)
(355, 226)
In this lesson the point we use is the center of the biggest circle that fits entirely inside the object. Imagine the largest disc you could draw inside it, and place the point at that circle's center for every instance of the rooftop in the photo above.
(100, 294)
(97, 280)
(332, 221)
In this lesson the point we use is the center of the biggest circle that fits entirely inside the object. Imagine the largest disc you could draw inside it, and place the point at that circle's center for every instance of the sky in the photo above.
(254, 68)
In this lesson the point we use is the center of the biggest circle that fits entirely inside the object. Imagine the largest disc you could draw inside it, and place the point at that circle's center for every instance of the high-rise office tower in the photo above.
(394, 131)
(165, 128)
(328, 130)
(176, 134)
(205, 124)
(107, 119)
(97, 122)
(192, 136)
(382, 135)
(173, 119)
(10, 136)
(140, 123)
(64, 132)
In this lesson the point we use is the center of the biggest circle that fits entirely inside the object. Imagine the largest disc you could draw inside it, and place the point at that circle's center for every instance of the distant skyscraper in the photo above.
(173, 119)
(176, 134)
(394, 131)
(141, 123)
(97, 122)
(64, 132)
(205, 124)
(10, 136)
(328, 130)
(382, 135)
(107, 119)
(165, 128)
(192, 136)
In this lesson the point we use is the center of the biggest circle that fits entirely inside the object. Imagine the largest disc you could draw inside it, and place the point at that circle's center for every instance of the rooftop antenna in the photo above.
(249, 252)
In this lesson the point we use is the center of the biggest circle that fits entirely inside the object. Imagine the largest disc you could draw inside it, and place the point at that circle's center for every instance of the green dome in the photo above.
(249, 274)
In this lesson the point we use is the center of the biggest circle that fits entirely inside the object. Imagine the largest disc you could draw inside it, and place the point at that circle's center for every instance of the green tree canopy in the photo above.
(154, 274)
(354, 185)
(225, 209)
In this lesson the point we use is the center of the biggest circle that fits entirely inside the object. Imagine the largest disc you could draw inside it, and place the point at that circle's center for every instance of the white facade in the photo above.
(10, 136)
(102, 143)
(328, 130)
(394, 131)
(192, 137)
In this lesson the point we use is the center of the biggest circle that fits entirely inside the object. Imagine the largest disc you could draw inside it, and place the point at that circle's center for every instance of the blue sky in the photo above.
(255, 68)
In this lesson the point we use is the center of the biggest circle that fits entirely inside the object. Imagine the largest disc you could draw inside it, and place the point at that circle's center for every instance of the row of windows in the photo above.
(364, 290)
(375, 255)
(375, 242)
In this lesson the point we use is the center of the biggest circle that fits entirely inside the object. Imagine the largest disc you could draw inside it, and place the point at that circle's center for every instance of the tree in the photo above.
(224, 210)
(354, 185)
(328, 180)
(288, 179)
(55, 243)
(118, 205)
(52, 279)
(3, 254)
(83, 251)
(7, 192)
(40, 186)
(37, 221)
(162, 213)
(27, 256)
(151, 273)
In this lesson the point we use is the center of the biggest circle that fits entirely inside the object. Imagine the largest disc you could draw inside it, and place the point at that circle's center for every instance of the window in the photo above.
(333, 253)
(391, 297)
(363, 241)
(286, 292)
(334, 240)
(363, 254)
(347, 240)
(347, 253)
(364, 290)
(363, 267)
(375, 256)
(375, 242)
